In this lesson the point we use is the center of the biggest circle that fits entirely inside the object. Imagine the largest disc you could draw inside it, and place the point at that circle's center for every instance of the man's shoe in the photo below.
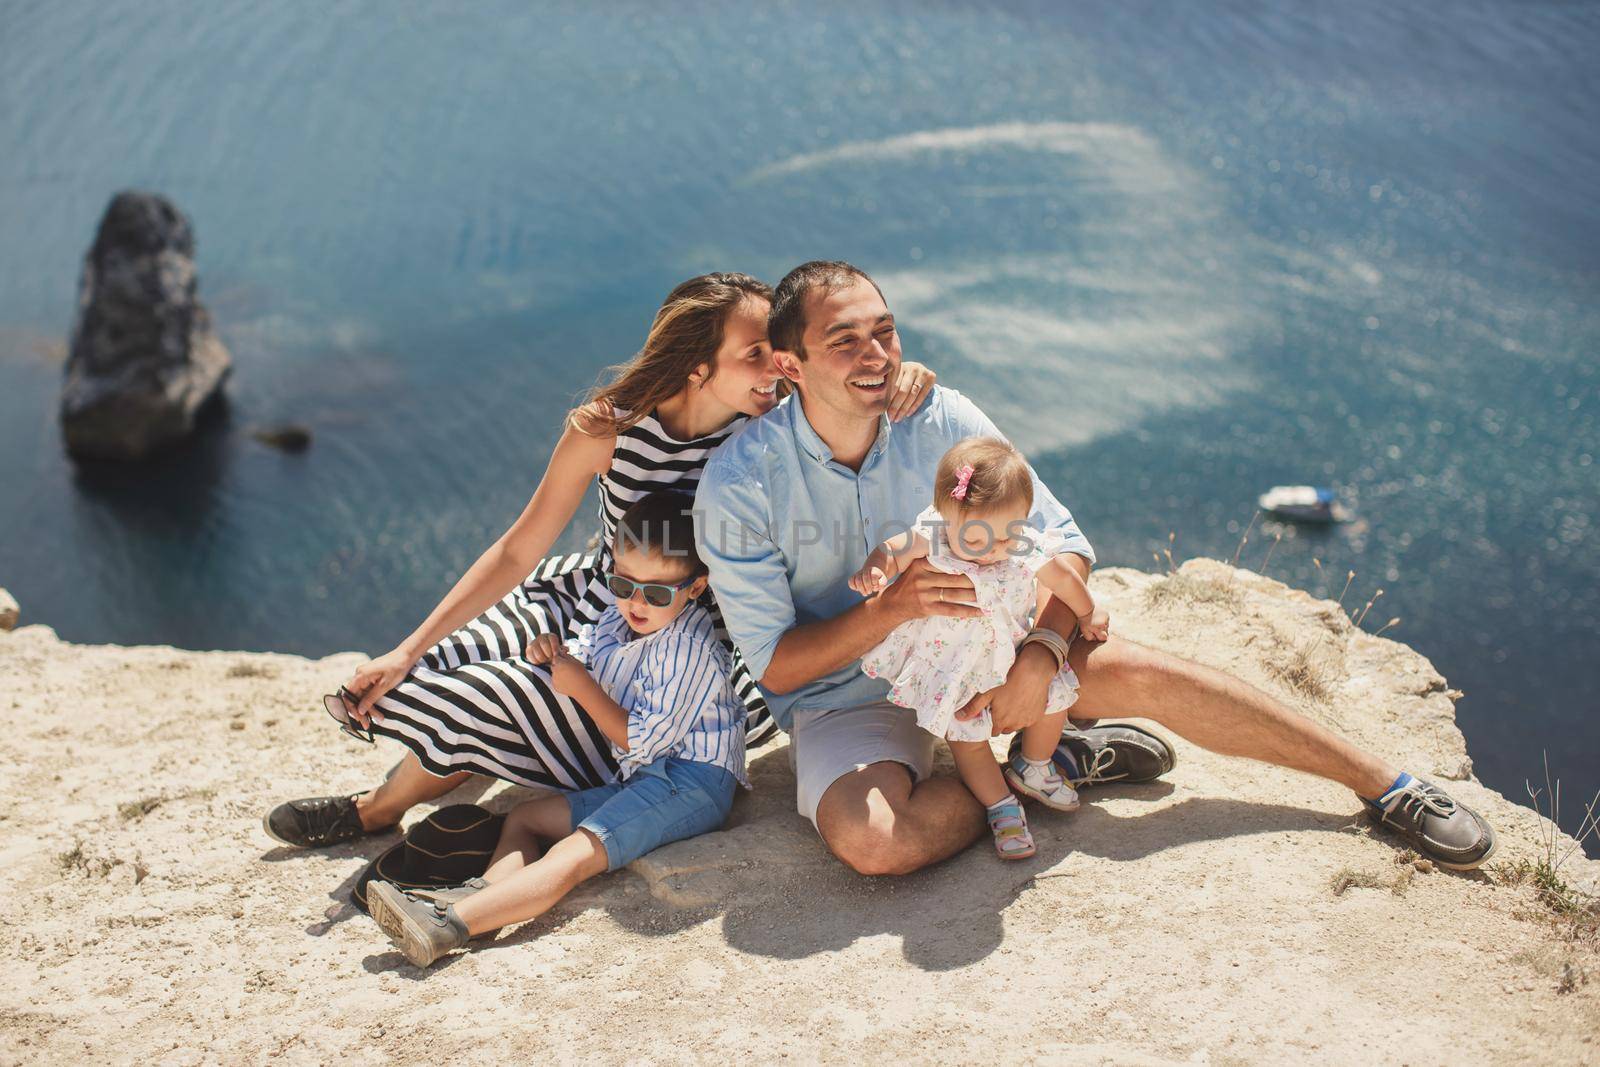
(423, 930)
(1105, 754)
(315, 822)
(1437, 825)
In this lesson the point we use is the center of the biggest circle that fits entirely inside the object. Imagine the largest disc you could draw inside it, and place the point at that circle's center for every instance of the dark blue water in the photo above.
(1182, 252)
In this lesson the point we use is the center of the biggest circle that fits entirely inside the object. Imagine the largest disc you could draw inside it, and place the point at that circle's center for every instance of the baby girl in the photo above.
(977, 526)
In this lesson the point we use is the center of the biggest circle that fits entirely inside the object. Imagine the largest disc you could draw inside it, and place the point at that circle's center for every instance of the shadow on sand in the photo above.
(782, 895)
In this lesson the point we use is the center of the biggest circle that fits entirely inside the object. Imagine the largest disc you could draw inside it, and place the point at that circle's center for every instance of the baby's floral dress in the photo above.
(936, 664)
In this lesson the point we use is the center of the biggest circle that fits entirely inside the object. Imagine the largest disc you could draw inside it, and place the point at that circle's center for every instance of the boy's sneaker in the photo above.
(1434, 823)
(423, 930)
(450, 894)
(316, 822)
(1045, 784)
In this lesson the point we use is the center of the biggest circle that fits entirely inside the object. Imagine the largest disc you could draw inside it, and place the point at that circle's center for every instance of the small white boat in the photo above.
(1303, 503)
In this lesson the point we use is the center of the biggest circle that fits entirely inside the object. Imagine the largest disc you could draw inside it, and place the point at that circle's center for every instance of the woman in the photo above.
(458, 692)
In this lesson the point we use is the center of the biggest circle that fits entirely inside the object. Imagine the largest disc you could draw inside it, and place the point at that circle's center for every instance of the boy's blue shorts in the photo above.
(663, 801)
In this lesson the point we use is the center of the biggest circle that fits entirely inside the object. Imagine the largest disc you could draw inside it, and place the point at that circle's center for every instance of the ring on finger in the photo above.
(941, 596)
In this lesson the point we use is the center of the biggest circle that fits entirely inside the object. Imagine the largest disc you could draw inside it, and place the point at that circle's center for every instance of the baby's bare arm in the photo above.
(900, 551)
(888, 561)
(1067, 586)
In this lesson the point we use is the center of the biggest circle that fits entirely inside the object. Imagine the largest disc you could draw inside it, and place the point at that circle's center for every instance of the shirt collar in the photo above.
(624, 634)
(814, 446)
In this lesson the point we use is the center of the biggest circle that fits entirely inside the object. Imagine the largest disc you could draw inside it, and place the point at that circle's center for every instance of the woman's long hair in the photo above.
(686, 334)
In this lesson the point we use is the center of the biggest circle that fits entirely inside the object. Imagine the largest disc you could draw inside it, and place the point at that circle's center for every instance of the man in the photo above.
(789, 508)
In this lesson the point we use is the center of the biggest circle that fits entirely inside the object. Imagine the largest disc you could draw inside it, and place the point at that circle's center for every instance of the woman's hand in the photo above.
(1096, 626)
(911, 384)
(373, 679)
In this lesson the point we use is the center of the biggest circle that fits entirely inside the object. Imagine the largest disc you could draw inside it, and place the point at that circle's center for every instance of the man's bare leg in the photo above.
(410, 784)
(877, 822)
(1217, 712)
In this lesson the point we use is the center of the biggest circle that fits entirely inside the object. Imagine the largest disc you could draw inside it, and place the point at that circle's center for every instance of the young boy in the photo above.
(655, 679)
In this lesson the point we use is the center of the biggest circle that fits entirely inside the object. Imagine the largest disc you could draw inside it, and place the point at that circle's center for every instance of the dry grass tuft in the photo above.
(1574, 913)
(72, 859)
(1560, 965)
(1185, 590)
(134, 810)
(1309, 669)
(1347, 878)
(76, 861)
(251, 670)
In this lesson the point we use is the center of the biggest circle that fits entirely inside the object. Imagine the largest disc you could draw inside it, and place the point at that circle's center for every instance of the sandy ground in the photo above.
(1192, 921)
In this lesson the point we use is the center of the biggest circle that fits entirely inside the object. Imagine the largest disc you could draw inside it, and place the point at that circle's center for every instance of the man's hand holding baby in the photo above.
(920, 591)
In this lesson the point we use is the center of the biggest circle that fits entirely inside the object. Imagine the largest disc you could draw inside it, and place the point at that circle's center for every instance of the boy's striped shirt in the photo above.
(675, 685)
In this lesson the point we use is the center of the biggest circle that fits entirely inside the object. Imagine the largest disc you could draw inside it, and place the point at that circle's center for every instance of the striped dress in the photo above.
(475, 703)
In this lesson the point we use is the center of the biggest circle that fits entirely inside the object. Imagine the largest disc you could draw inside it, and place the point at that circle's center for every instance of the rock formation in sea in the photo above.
(289, 437)
(144, 359)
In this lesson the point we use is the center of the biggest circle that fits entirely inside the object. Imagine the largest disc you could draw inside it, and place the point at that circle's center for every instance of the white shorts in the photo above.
(824, 746)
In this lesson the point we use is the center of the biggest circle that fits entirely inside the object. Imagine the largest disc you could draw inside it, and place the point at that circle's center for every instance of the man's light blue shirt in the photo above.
(782, 527)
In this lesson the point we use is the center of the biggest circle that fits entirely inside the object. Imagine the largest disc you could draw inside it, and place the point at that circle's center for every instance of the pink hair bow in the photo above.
(963, 477)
